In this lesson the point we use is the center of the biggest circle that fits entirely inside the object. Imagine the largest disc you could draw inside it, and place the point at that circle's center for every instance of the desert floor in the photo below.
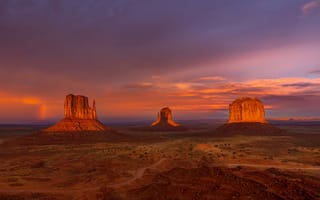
(129, 164)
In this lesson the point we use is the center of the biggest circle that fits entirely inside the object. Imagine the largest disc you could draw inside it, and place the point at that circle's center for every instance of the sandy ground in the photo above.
(161, 165)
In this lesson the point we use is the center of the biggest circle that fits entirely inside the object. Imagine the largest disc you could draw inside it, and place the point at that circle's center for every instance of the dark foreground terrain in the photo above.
(196, 164)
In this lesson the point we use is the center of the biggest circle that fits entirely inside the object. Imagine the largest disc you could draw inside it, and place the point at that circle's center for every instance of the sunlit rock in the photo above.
(78, 116)
(77, 107)
(247, 117)
(246, 109)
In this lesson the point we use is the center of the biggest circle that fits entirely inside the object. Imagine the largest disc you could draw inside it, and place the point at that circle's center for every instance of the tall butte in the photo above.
(78, 116)
(77, 107)
(247, 117)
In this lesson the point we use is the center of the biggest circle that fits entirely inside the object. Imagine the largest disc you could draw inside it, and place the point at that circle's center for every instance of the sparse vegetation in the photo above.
(88, 170)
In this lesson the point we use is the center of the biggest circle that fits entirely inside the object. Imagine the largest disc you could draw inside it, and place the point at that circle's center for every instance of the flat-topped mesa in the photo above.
(247, 117)
(77, 107)
(246, 109)
(165, 118)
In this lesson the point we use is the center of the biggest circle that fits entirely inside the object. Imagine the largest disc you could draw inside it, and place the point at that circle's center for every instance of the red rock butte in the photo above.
(247, 117)
(245, 110)
(77, 107)
(165, 119)
(78, 116)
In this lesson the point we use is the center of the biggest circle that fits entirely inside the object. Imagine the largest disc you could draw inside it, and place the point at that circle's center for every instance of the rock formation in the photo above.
(164, 122)
(77, 107)
(246, 110)
(247, 117)
(78, 116)
(165, 118)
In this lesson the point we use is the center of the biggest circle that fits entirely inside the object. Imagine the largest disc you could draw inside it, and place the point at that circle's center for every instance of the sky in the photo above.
(136, 56)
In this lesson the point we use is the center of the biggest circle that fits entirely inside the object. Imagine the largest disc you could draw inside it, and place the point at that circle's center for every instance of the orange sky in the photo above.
(206, 97)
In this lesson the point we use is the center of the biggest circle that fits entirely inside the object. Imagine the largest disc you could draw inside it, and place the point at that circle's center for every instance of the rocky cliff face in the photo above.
(165, 118)
(246, 110)
(77, 107)
(78, 116)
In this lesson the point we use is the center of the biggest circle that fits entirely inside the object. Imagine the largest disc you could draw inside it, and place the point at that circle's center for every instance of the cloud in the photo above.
(210, 79)
(80, 38)
(315, 72)
(144, 85)
(281, 96)
(136, 56)
(276, 93)
(302, 85)
(310, 6)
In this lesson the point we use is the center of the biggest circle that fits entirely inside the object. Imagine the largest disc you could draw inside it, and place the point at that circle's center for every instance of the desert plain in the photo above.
(126, 163)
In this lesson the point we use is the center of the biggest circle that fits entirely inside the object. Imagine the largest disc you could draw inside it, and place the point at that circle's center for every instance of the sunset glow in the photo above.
(134, 61)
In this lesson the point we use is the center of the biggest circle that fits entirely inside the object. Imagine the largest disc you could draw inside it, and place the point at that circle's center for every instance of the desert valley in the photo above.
(246, 159)
(159, 100)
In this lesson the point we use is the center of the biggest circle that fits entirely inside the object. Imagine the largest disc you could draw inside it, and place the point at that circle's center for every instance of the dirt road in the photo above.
(137, 174)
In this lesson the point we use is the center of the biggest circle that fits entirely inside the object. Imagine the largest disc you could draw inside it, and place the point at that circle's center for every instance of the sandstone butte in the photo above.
(78, 116)
(247, 117)
(246, 109)
(165, 119)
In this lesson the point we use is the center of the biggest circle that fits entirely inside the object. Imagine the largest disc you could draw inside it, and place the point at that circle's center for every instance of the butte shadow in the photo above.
(164, 123)
(247, 117)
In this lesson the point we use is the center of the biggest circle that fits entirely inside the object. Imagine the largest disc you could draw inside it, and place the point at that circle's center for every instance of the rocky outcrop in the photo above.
(246, 110)
(164, 122)
(77, 107)
(247, 117)
(165, 118)
(78, 116)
